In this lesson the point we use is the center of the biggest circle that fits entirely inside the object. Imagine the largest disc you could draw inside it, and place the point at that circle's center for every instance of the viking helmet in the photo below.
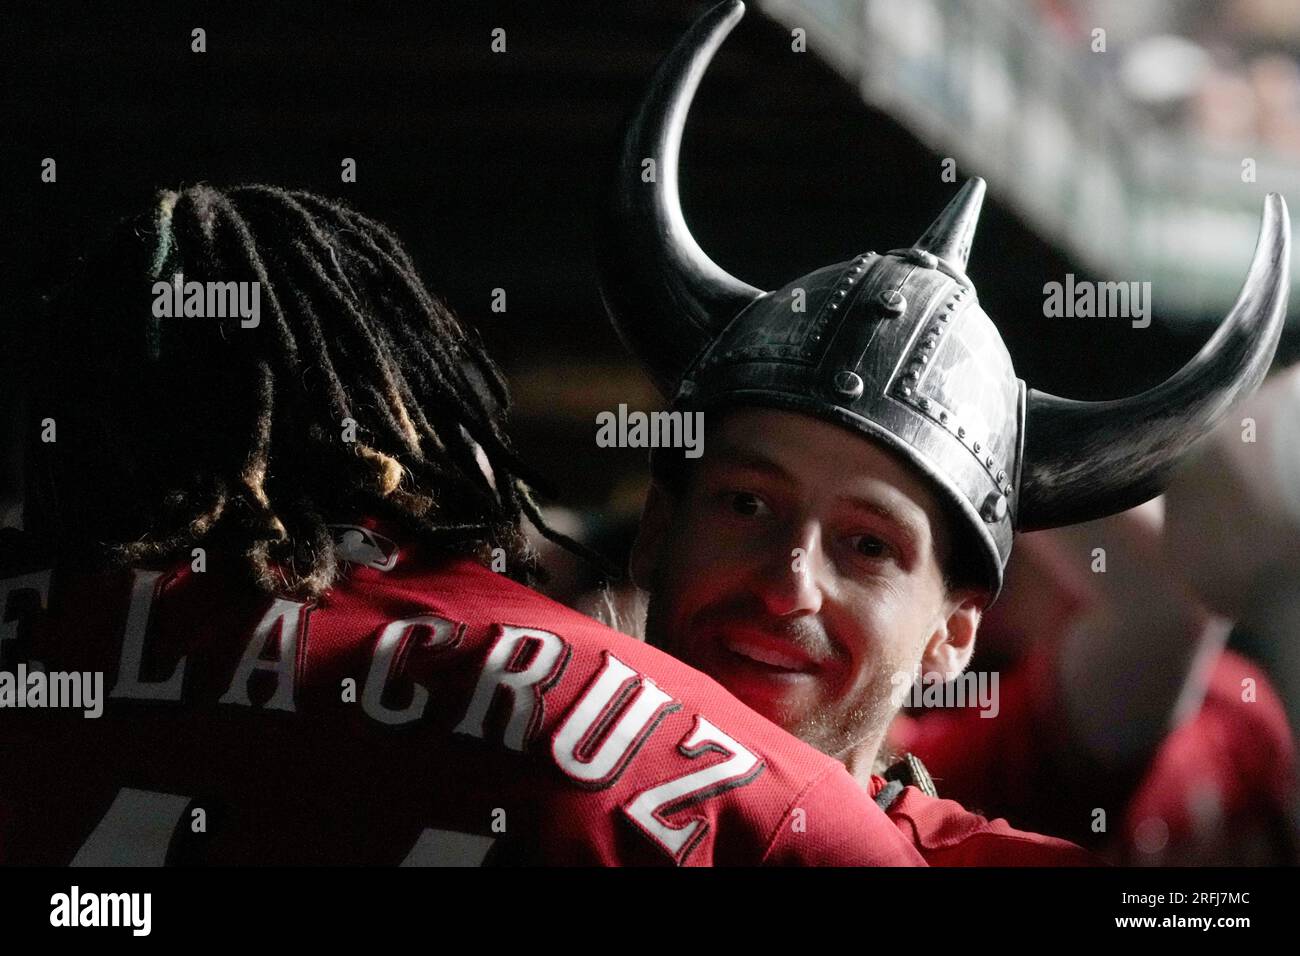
(897, 348)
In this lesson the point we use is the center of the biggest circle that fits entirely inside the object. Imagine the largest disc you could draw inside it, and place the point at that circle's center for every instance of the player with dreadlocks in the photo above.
(349, 321)
(289, 644)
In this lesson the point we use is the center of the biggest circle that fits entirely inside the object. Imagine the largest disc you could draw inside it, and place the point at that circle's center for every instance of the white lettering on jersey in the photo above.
(285, 619)
(130, 685)
(38, 581)
(590, 717)
(649, 809)
(136, 831)
(503, 671)
(439, 631)
(449, 848)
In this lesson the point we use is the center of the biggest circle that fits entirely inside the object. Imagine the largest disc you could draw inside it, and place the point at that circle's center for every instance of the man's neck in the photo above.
(864, 759)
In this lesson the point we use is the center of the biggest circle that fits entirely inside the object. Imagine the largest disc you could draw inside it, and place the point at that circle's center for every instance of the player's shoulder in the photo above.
(1233, 674)
(1240, 729)
(948, 834)
(1242, 699)
(516, 605)
(473, 594)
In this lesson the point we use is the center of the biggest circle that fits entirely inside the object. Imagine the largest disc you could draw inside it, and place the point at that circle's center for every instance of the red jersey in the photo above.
(947, 834)
(422, 712)
(1223, 773)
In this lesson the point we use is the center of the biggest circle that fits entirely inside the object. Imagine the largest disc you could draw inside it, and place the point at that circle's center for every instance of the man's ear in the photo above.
(656, 516)
(950, 647)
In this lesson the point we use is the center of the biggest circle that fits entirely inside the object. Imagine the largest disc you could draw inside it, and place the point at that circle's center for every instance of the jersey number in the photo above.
(137, 831)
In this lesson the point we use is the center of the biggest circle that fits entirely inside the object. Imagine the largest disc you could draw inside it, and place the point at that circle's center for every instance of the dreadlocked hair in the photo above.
(180, 432)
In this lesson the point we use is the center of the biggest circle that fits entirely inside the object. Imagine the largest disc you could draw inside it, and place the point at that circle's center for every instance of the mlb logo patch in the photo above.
(358, 545)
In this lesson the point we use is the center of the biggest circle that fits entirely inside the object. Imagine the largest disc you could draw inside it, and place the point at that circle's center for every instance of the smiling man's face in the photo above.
(801, 566)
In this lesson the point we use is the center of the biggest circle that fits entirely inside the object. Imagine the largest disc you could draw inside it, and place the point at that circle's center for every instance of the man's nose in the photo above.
(792, 579)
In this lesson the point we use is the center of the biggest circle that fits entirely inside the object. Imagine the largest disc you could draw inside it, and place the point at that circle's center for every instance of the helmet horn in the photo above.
(1084, 460)
(667, 299)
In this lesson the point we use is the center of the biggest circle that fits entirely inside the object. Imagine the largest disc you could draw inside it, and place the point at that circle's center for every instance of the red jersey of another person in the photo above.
(1215, 790)
(947, 834)
(420, 712)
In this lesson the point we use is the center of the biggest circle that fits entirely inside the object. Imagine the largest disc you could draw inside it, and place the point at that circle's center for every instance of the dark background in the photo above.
(490, 166)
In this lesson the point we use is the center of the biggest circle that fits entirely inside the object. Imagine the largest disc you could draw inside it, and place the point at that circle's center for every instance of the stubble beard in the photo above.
(835, 732)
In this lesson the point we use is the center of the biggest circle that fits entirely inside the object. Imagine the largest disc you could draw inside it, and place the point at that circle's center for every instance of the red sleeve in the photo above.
(1231, 764)
(830, 824)
(1232, 761)
(1010, 764)
(949, 835)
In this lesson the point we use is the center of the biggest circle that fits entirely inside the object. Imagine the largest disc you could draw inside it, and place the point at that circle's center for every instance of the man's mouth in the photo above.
(773, 654)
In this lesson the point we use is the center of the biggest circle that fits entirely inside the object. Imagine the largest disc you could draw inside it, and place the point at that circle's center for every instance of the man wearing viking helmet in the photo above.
(869, 455)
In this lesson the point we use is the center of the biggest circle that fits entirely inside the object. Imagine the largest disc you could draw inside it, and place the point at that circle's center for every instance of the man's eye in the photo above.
(747, 504)
(869, 546)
